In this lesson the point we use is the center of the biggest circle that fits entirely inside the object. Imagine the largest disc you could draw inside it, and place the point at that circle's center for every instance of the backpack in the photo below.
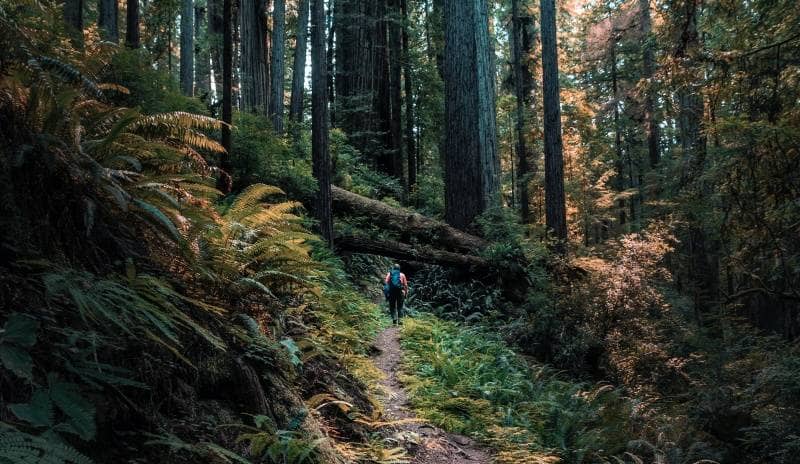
(394, 280)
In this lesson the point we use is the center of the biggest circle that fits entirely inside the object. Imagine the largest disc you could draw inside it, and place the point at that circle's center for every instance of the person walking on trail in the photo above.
(395, 288)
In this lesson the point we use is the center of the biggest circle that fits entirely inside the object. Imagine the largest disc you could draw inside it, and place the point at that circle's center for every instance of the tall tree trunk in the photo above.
(132, 36)
(619, 160)
(276, 68)
(555, 207)
(648, 69)
(224, 182)
(411, 151)
(330, 23)
(319, 121)
(299, 68)
(202, 66)
(362, 80)
(252, 20)
(187, 47)
(521, 47)
(215, 44)
(107, 12)
(73, 16)
(395, 49)
(471, 162)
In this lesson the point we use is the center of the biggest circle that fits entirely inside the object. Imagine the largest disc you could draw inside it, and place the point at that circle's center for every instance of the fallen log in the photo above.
(406, 252)
(409, 223)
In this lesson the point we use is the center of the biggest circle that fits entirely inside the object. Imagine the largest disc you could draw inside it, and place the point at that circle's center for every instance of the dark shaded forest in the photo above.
(596, 205)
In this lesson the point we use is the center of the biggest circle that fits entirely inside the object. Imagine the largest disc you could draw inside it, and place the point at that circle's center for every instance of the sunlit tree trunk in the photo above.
(107, 11)
(555, 207)
(276, 68)
(132, 36)
(187, 47)
(319, 121)
(299, 68)
(471, 162)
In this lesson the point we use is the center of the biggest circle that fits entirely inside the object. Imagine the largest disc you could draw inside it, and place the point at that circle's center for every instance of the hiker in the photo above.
(395, 289)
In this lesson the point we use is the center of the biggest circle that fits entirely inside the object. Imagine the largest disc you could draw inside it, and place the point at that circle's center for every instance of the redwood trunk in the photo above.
(403, 251)
(132, 36)
(276, 67)
(187, 47)
(408, 222)
(223, 183)
(252, 20)
(299, 68)
(471, 163)
(107, 11)
(73, 16)
(555, 208)
(319, 121)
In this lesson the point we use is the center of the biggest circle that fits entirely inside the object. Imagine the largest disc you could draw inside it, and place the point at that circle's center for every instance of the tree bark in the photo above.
(407, 222)
(107, 11)
(187, 47)
(202, 66)
(411, 151)
(253, 56)
(619, 160)
(403, 251)
(395, 49)
(299, 68)
(522, 45)
(73, 16)
(215, 43)
(319, 121)
(223, 182)
(132, 35)
(555, 207)
(648, 69)
(471, 162)
(276, 67)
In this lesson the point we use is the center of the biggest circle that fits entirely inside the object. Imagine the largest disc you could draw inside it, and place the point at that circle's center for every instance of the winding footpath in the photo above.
(425, 443)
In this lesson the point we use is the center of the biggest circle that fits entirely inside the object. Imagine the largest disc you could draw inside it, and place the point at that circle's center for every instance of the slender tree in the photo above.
(132, 36)
(223, 182)
(471, 162)
(555, 207)
(411, 150)
(319, 120)
(521, 47)
(299, 67)
(648, 69)
(395, 139)
(202, 70)
(254, 74)
(107, 12)
(73, 16)
(187, 47)
(276, 68)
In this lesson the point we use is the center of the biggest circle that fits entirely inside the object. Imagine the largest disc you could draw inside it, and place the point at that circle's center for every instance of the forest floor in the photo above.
(425, 443)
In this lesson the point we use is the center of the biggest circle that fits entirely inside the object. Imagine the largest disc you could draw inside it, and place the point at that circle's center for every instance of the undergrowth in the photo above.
(468, 381)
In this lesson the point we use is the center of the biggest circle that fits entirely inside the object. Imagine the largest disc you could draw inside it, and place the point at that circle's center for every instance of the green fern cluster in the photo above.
(469, 381)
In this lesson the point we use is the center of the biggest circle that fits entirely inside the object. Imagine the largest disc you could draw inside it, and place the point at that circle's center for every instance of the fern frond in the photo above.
(67, 73)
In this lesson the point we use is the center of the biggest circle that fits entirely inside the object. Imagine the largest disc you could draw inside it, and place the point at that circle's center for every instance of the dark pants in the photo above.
(396, 303)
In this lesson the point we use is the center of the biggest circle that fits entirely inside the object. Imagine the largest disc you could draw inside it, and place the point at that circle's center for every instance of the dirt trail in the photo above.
(425, 444)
